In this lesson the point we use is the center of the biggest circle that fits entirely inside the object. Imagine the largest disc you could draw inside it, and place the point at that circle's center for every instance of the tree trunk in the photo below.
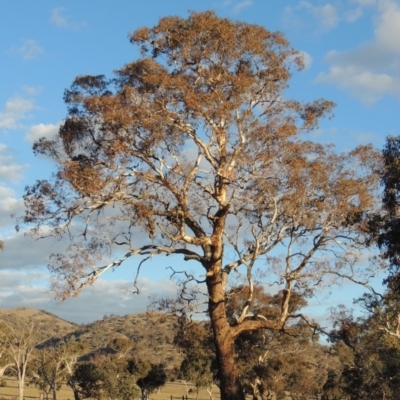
(209, 391)
(21, 369)
(72, 384)
(230, 386)
(76, 395)
(21, 385)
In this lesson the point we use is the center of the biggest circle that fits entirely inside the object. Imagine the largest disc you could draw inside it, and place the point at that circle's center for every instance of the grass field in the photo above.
(174, 389)
(30, 392)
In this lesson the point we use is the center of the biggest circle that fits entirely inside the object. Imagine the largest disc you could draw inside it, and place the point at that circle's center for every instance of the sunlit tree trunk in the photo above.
(21, 382)
(72, 384)
(54, 390)
(230, 386)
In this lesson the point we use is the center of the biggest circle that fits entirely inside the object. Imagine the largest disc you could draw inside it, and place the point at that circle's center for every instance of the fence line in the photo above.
(185, 397)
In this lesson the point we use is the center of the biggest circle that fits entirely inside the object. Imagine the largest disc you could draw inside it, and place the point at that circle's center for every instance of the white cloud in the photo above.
(105, 297)
(102, 298)
(6, 192)
(387, 32)
(16, 109)
(236, 7)
(365, 138)
(9, 170)
(365, 85)
(25, 281)
(29, 50)
(373, 69)
(353, 15)
(307, 59)
(242, 5)
(60, 19)
(57, 17)
(42, 130)
(325, 16)
(364, 3)
(20, 251)
(31, 90)
(9, 206)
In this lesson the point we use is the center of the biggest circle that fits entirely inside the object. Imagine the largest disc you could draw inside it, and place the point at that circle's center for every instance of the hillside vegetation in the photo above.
(47, 325)
(152, 333)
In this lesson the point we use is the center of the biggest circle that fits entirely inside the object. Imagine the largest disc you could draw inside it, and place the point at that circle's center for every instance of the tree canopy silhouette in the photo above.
(385, 226)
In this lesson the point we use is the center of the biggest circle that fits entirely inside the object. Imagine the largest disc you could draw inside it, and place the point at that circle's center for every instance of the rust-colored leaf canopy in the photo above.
(193, 149)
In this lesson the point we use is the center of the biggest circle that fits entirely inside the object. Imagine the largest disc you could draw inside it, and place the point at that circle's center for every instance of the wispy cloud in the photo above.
(307, 59)
(366, 137)
(60, 19)
(42, 130)
(32, 90)
(325, 16)
(9, 170)
(29, 50)
(15, 110)
(353, 15)
(364, 3)
(236, 6)
(5, 192)
(242, 5)
(57, 17)
(30, 289)
(356, 13)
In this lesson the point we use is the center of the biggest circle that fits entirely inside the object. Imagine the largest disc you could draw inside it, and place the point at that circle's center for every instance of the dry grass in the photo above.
(178, 389)
(47, 325)
(30, 392)
(174, 389)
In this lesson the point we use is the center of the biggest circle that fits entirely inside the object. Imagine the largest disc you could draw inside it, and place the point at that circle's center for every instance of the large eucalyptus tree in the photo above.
(195, 147)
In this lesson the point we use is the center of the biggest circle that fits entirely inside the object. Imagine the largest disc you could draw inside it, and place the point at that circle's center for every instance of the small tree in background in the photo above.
(19, 342)
(54, 364)
(370, 359)
(150, 377)
(6, 361)
(104, 376)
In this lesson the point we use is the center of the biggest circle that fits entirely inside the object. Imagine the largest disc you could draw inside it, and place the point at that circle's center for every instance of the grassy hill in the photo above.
(153, 333)
(46, 324)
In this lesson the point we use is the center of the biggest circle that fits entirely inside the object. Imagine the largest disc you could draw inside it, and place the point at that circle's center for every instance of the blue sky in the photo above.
(352, 54)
